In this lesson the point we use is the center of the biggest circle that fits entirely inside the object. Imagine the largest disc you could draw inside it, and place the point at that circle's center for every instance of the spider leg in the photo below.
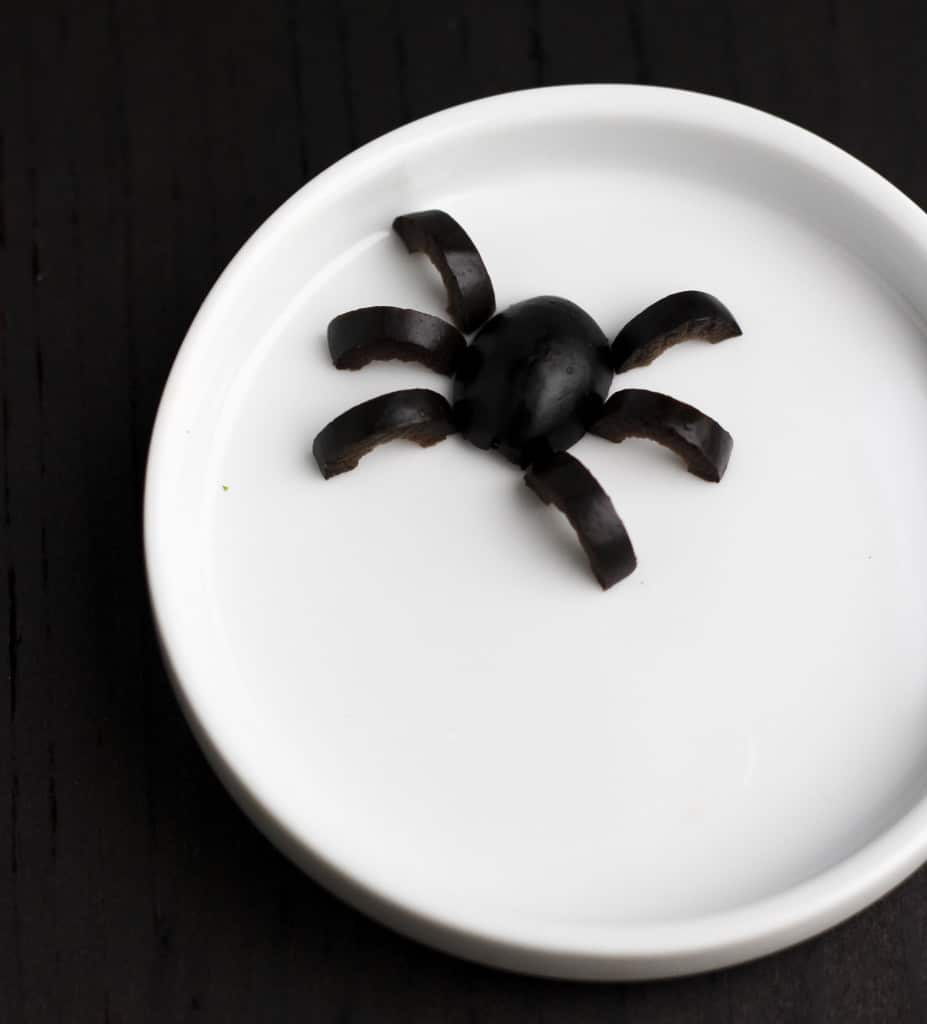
(471, 300)
(414, 414)
(703, 444)
(565, 482)
(667, 322)
(387, 332)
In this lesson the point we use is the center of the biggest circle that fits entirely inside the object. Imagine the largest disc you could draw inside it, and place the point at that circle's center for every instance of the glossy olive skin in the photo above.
(532, 380)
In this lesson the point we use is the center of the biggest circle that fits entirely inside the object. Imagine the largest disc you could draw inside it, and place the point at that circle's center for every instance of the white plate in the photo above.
(408, 676)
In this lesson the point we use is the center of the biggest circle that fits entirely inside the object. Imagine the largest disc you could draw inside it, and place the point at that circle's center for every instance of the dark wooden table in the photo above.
(140, 144)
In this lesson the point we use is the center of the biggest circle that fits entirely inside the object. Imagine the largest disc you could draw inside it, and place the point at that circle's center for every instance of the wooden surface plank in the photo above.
(140, 144)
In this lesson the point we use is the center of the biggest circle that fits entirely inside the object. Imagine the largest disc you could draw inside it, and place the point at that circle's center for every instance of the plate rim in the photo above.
(605, 952)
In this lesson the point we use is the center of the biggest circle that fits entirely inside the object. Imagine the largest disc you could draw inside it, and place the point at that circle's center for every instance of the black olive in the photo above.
(470, 297)
(704, 445)
(416, 414)
(386, 332)
(671, 320)
(533, 379)
(530, 384)
(565, 482)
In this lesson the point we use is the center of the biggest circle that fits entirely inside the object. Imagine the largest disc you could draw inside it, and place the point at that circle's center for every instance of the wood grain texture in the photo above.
(140, 144)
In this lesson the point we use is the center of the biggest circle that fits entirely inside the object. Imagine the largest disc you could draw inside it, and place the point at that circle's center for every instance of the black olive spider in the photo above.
(532, 381)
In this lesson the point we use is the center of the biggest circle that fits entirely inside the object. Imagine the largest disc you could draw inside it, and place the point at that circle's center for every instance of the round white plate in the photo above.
(407, 674)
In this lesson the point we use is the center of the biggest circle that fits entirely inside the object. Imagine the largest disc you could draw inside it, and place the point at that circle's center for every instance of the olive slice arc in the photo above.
(471, 300)
(360, 336)
(565, 482)
(668, 321)
(702, 443)
(415, 414)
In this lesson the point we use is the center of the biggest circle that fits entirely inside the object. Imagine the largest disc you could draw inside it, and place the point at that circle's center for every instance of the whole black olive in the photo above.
(533, 380)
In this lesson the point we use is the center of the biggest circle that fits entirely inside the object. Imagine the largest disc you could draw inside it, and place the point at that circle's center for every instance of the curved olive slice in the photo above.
(671, 320)
(386, 332)
(470, 297)
(415, 414)
(565, 482)
(704, 445)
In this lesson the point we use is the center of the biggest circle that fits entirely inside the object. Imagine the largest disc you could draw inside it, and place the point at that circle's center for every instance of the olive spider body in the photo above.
(533, 380)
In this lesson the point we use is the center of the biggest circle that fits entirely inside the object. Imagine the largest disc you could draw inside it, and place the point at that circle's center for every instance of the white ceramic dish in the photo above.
(407, 675)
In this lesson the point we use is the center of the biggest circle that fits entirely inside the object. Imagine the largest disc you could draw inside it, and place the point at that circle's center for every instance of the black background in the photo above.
(140, 144)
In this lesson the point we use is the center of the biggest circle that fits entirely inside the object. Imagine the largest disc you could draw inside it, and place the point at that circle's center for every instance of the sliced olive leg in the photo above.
(667, 322)
(704, 445)
(470, 297)
(415, 415)
(565, 482)
(386, 332)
